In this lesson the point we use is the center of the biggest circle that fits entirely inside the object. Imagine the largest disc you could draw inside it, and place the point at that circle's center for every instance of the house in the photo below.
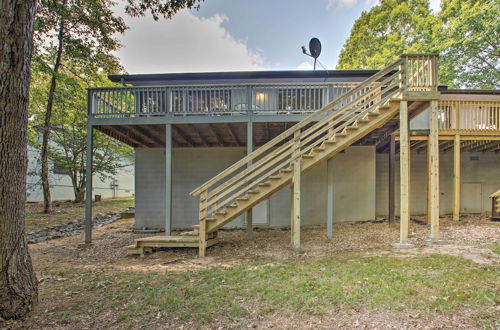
(111, 186)
(295, 148)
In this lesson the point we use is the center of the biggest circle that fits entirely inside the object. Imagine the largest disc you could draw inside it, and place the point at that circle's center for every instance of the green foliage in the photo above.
(469, 40)
(159, 8)
(87, 30)
(465, 32)
(69, 125)
(388, 30)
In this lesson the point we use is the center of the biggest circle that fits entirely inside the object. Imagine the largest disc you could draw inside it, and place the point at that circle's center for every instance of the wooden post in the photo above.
(249, 213)
(404, 160)
(168, 179)
(296, 194)
(428, 181)
(329, 198)
(392, 179)
(203, 224)
(434, 172)
(456, 178)
(88, 183)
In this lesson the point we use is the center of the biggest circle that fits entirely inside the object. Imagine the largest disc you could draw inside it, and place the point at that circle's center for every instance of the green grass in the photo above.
(428, 284)
(68, 211)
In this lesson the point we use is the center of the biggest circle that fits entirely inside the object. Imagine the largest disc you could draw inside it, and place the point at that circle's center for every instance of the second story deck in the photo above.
(213, 109)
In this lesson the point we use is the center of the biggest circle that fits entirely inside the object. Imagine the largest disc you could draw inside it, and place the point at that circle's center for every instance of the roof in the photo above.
(242, 75)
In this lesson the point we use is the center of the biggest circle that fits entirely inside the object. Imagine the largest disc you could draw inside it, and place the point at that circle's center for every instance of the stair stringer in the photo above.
(307, 165)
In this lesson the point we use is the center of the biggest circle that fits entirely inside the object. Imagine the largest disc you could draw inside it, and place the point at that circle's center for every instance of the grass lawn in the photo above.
(65, 211)
(431, 284)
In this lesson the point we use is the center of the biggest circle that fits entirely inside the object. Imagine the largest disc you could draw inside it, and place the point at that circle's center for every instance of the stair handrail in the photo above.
(291, 131)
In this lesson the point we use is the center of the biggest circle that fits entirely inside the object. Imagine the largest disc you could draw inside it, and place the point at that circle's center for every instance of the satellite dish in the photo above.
(315, 47)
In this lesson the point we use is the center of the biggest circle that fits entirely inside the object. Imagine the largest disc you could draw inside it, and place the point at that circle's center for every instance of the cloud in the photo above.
(186, 43)
(340, 3)
(304, 66)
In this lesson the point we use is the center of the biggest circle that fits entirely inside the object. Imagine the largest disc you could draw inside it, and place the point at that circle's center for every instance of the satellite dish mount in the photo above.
(314, 50)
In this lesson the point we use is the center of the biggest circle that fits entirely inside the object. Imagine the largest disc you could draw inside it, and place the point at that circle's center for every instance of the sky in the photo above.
(240, 35)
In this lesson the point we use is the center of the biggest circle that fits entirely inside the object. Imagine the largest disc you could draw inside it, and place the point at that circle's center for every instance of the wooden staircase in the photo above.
(307, 144)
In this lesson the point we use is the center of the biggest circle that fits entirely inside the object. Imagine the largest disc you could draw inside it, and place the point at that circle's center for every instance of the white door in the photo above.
(260, 213)
(472, 198)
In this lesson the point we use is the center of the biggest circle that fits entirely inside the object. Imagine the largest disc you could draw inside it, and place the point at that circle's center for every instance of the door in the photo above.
(472, 198)
(260, 213)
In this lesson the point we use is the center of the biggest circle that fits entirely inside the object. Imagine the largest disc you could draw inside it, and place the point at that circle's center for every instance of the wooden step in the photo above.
(373, 113)
(242, 199)
(330, 142)
(253, 192)
(275, 177)
(308, 156)
(221, 213)
(148, 243)
(286, 170)
(234, 205)
(264, 184)
(319, 149)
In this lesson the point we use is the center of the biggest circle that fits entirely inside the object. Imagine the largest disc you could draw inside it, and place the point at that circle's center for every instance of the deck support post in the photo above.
(329, 198)
(456, 178)
(88, 183)
(404, 160)
(392, 179)
(249, 213)
(434, 173)
(295, 205)
(203, 224)
(168, 179)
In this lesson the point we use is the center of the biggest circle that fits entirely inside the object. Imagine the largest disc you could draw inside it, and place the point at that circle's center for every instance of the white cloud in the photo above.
(186, 43)
(304, 66)
(340, 3)
(435, 5)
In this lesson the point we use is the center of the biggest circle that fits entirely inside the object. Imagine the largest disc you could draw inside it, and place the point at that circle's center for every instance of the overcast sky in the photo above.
(240, 35)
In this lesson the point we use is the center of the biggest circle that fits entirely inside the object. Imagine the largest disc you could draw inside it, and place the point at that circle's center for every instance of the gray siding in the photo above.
(484, 171)
(354, 192)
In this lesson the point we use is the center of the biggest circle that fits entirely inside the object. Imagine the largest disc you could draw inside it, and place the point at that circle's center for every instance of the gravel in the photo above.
(72, 227)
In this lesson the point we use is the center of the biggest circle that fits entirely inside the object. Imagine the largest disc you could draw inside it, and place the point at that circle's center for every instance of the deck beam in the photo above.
(329, 198)
(249, 213)
(88, 183)
(168, 179)
(434, 172)
(404, 161)
(456, 178)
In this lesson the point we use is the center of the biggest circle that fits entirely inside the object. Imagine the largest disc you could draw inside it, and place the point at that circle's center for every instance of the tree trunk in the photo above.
(47, 203)
(18, 285)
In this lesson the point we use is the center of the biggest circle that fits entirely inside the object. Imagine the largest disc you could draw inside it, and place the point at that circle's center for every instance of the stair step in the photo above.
(234, 205)
(242, 199)
(319, 149)
(364, 120)
(221, 213)
(373, 113)
(275, 177)
(286, 170)
(190, 233)
(330, 142)
(264, 184)
(255, 191)
(308, 156)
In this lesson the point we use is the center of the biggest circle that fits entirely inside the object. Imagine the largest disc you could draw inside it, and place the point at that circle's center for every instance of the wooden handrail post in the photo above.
(456, 178)
(403, 68)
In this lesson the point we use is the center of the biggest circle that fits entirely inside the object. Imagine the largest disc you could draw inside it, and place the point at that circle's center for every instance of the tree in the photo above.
(68, 143)
(82, 31)
(469, 37)
(18, 286)
(386, 31)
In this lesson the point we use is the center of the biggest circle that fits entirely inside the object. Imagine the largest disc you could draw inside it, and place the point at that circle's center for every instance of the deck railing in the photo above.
(469, 115)
(119, 102)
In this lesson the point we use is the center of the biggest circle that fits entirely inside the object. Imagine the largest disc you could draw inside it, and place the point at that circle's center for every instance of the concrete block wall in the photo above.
(354, 186)
(478, 170)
